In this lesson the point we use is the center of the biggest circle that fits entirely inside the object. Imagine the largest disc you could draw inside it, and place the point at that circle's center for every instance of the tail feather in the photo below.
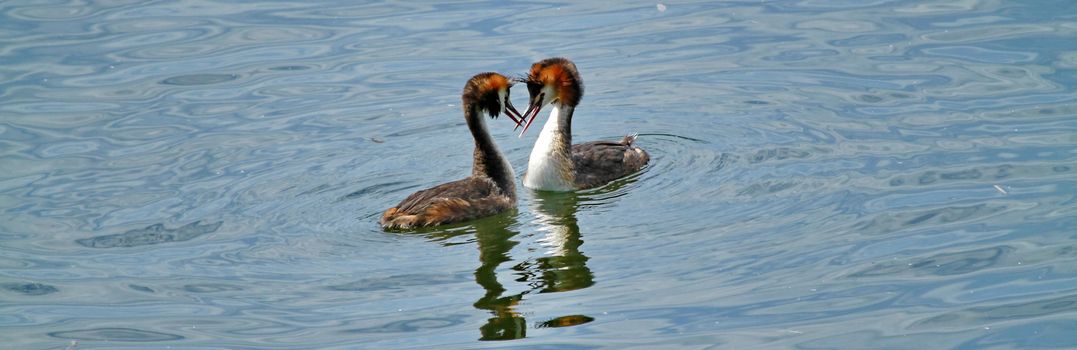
(629, 139)
(394, 219)
(403, 222)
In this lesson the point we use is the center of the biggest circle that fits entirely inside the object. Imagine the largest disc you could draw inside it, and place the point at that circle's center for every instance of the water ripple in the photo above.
(116, 334)
(29, 288)
(154, 234)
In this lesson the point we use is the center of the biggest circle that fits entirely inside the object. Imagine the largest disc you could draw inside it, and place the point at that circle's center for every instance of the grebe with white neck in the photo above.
(491, 187)
(555, 163)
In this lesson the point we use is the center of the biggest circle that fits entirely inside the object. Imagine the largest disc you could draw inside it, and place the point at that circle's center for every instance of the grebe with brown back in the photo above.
(555, 163)
(491, 187)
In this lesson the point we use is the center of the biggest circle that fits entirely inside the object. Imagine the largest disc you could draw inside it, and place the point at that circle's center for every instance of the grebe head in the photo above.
(490, 93)
(552, 80)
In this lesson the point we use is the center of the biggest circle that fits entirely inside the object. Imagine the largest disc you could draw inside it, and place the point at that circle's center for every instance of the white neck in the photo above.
(550, 166)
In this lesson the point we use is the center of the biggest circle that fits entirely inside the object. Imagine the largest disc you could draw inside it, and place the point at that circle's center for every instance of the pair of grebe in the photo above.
(555, 163)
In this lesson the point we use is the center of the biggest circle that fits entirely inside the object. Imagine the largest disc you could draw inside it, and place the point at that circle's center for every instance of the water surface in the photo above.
(825, 174)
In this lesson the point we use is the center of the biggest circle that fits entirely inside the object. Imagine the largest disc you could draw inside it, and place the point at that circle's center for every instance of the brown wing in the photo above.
(470, 198)
(600, 162)
(471, 188)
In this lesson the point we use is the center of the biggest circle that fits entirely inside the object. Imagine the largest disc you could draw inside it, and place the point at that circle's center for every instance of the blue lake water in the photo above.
(824, 175)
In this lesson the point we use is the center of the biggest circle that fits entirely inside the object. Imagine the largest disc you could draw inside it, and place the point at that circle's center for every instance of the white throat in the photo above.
(550, 168)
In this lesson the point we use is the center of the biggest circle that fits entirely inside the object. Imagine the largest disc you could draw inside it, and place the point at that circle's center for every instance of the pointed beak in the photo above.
(532, 112)
(513, 113)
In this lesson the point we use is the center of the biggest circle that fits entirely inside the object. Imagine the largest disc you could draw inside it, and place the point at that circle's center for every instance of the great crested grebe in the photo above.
(491, 187)
(556, 164)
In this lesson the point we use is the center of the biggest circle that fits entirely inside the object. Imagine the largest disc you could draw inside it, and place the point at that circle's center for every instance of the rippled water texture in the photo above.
(825, 174)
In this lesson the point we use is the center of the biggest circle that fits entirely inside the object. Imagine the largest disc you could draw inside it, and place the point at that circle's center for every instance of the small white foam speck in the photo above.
(1000, 189)
(661, 8)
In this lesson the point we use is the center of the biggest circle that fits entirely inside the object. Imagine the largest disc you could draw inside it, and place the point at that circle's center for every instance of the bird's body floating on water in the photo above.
(555, 163)
(491, 187)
